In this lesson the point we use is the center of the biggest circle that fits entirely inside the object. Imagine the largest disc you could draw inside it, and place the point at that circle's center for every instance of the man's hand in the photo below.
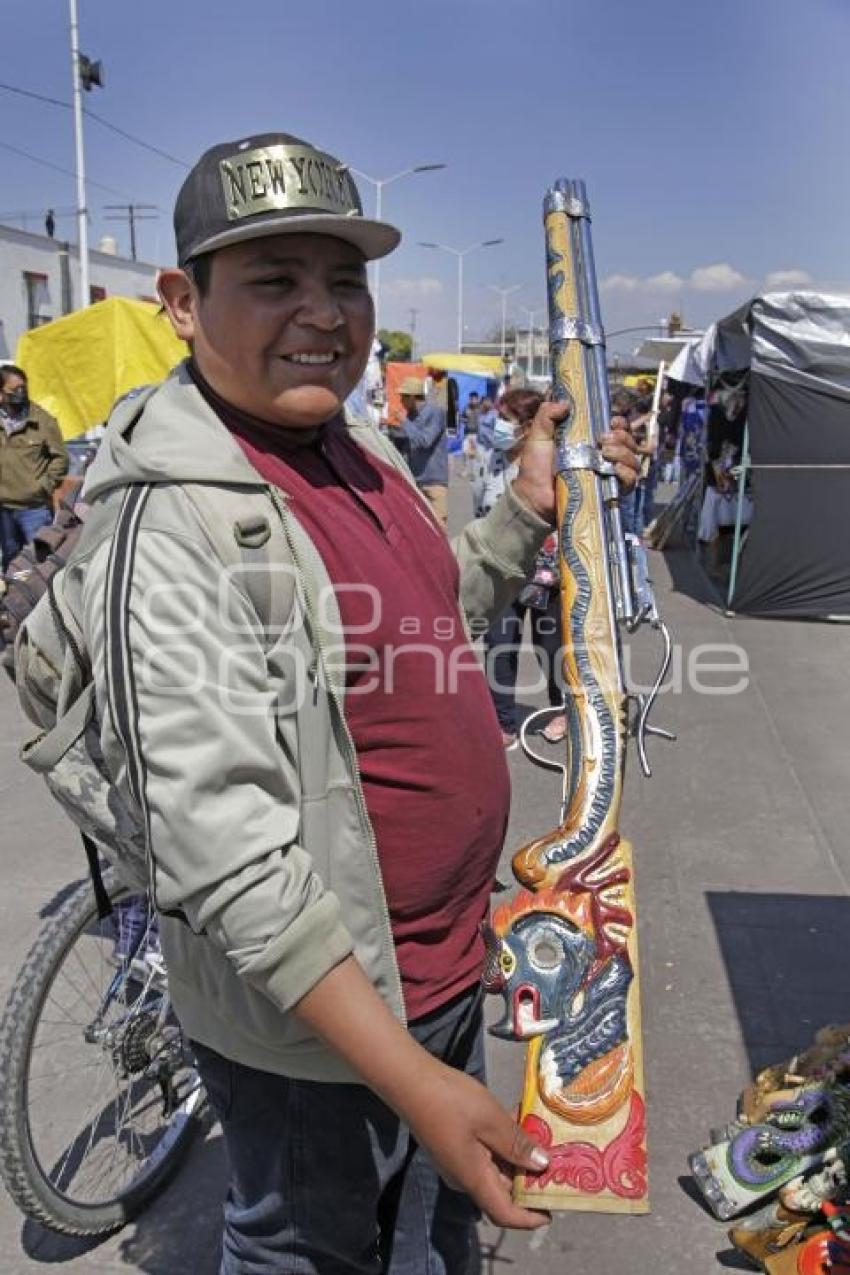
(475, 1144)
(471, 1139)
(535, 483)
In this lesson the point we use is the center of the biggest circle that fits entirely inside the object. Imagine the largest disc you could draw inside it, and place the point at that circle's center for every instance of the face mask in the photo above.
(504, 435)
(16, 400)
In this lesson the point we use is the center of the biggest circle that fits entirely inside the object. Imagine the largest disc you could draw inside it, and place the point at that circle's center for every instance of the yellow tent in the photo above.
(488, 365)
(79, 365)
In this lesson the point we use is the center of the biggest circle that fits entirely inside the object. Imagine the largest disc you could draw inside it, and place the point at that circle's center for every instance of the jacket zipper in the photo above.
(366, 824)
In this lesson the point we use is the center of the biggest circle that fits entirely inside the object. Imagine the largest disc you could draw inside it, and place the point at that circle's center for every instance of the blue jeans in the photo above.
(17, 528)
(645, 500)
(628, 511)
(326, 1180)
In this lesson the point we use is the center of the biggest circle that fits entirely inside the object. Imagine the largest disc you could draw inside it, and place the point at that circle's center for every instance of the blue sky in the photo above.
(713, 137)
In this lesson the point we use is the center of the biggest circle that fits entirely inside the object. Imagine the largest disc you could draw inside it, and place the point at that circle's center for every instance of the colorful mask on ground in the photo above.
(790, 1149)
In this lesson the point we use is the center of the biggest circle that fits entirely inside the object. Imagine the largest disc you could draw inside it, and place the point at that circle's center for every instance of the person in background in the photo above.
(487, 419)
(424, 430)
(468, 430)
(690, 450)
(33, 462)
(644, 504)
(538, 599)
(471, 413)
(623, 407)
(668, 417)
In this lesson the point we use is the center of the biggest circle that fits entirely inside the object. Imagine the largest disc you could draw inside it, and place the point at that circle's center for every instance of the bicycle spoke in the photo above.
(92, 1133)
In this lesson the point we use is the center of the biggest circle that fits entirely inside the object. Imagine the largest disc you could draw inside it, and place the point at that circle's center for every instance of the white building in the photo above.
(40, 280)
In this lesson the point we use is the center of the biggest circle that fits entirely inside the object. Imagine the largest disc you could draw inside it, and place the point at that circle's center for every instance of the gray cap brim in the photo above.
(374, 238)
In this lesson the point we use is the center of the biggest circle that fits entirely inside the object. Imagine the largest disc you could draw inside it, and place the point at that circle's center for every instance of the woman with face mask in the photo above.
(539, 598)
(33, 462)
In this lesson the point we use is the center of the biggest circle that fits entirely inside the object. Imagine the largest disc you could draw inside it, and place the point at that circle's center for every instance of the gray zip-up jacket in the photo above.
(230, 740)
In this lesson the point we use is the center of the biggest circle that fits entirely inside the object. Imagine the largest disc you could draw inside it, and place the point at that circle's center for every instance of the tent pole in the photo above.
(742, 484)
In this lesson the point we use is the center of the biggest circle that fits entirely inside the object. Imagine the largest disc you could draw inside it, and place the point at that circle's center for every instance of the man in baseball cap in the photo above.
(422, 435)
(323, 832)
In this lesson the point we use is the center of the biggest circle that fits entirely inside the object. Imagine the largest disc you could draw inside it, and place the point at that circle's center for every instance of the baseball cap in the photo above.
(413, 386)
(272, 184)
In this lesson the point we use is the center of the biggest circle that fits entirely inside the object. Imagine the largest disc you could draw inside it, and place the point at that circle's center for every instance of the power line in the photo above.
(113, 128)
(130, 138)
(39, 97)
(45, 163)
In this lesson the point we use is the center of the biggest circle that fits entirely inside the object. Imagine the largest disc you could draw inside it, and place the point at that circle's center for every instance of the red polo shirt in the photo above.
(419, 710)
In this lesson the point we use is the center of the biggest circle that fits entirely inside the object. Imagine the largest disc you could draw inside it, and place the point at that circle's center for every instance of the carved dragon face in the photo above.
(538, 966)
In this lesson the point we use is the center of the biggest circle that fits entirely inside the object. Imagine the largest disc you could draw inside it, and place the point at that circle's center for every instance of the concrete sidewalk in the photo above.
(742, 871)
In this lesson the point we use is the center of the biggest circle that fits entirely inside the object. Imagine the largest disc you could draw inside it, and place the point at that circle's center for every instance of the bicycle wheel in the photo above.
(98, 1091)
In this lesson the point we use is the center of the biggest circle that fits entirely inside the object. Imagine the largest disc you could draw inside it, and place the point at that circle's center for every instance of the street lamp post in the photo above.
(460, 253)
(531, 314)
(504, 293)
(379, 183)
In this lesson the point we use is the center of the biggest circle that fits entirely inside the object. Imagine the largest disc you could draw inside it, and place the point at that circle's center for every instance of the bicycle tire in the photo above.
(29, 1183)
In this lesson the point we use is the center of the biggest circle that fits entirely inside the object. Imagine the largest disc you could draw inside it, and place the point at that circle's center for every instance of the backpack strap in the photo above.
(243, 528)
(47, 750)
(101, 896)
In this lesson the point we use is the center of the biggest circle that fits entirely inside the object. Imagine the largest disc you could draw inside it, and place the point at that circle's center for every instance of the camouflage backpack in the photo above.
(29, 574)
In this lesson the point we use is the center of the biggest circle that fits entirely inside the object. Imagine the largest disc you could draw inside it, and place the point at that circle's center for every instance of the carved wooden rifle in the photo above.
(563, 952)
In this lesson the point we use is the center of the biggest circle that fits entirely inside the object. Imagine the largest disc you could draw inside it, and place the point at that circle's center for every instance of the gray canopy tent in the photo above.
(796, 347)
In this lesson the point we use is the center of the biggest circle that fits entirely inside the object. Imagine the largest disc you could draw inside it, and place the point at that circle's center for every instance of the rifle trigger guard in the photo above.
(583, 456)
(546, 762)
(642, 728)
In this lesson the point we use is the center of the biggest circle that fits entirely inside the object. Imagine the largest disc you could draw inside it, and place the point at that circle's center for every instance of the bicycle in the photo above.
(99, 1095)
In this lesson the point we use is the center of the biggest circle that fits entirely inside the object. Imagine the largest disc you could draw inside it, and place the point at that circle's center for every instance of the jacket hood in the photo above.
(167, 434)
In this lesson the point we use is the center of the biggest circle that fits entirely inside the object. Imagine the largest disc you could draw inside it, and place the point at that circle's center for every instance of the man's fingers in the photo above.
(526, 1153)
(506, 1213)
(547, 416)
(495, 1200)
(510, 1143)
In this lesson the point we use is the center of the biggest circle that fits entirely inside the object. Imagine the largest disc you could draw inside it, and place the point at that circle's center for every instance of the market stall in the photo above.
(795, 350)
(79, 365)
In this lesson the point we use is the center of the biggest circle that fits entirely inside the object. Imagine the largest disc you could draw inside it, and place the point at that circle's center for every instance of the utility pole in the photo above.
(85, 74)
(413, 314)
(132, 213)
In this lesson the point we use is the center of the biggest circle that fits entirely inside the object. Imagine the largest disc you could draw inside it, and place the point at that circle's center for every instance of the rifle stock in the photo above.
(563, 953)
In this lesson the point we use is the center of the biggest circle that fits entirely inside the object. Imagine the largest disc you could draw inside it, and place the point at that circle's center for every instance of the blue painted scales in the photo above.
(563, 952)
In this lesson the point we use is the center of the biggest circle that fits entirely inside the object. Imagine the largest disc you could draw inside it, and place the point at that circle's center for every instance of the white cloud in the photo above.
(720, 277)
(666, 281)
(620, 283)
(787, 278)
(422, 289)
(717, 278)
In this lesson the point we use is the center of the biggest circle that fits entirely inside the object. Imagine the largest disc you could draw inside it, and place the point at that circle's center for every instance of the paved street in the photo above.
(743, 868)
